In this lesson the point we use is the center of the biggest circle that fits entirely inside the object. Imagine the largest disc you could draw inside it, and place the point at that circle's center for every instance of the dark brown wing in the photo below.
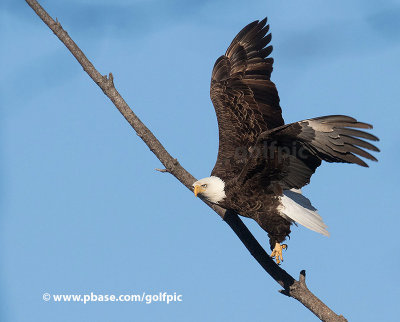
(290, 154)
(245, 100)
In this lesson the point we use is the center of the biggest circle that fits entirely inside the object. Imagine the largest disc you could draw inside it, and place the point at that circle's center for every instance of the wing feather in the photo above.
(299, 148)
(245, 100)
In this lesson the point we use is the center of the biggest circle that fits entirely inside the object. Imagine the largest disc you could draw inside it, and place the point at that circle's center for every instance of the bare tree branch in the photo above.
(291, 287)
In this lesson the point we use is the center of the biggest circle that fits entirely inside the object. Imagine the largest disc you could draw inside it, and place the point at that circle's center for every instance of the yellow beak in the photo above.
(198, 189)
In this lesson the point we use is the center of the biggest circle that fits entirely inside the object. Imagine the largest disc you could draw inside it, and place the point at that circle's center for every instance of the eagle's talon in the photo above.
(277, 252)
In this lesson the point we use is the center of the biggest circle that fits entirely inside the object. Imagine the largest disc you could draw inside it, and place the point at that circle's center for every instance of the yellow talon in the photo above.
(277, 252)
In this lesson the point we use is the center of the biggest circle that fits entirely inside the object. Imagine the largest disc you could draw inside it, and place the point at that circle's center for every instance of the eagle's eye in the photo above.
(204, 185)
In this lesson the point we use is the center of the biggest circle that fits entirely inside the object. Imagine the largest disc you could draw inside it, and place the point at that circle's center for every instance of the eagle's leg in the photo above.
(278, 229)
(277, 252)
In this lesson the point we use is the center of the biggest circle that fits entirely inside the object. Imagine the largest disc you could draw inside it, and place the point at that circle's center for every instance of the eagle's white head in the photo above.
(211, 188)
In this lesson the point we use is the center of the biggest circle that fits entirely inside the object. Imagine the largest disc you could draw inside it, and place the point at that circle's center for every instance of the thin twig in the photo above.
(292, 288)
(161, 170)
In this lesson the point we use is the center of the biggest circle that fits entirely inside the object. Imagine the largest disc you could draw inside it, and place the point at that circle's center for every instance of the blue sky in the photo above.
(82, 209)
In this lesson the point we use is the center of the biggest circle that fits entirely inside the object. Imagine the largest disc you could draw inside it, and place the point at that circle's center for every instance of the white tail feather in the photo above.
(299, 209)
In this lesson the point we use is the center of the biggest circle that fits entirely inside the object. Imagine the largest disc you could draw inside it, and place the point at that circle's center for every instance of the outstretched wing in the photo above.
(245, 100)
(289, 155)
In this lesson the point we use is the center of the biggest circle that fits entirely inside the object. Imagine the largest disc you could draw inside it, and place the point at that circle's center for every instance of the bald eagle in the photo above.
(262, 162)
